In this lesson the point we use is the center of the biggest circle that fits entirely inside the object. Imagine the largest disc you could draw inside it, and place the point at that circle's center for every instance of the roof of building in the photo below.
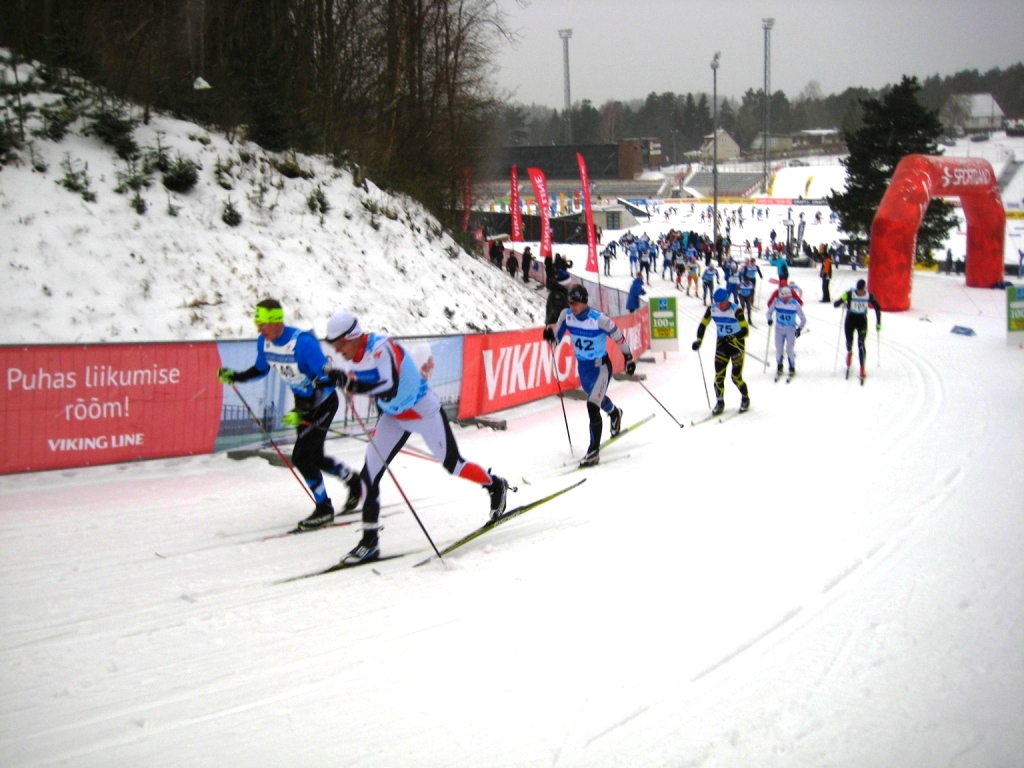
(981, 105)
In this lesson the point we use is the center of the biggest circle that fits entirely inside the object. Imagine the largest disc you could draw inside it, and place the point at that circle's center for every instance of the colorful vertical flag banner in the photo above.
(513, 206)
(540, 188)
(591, 234)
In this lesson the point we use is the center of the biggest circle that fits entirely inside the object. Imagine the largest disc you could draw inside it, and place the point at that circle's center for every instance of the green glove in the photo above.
(878, 327)
(226, 376)
(292, 419)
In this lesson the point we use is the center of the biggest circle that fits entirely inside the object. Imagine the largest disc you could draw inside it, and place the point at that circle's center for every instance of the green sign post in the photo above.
(1014, 315)
(664, 324)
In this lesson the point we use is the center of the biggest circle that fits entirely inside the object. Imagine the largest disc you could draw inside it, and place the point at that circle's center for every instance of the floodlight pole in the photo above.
(766, 25)
(714, 139)
(565, 34)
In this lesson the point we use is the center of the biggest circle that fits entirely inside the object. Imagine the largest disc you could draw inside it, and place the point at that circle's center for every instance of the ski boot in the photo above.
(355, 491)
(744, 404)
(368, 548)
(498, 490)
(719, 407)
(591, 458)
(616, 421)
(322, 515)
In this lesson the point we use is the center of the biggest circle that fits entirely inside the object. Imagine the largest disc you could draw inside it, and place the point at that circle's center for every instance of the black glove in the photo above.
(549, 335)
(836, 303)
(798, 333)
(341, 380)
(770, 323)
(696, 345)
(630, 365)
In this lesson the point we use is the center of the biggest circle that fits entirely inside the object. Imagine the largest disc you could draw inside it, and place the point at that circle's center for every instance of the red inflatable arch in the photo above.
(917, 179)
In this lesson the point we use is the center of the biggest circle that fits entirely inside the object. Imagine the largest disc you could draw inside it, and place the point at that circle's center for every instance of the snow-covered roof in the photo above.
(980, 105)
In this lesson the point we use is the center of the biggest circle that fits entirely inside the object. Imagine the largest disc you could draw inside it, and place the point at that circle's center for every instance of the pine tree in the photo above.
(894, 126)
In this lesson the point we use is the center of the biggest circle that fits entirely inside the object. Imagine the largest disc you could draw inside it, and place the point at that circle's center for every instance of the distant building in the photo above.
(973, 113)
(637, 156)
(624, 161)
(728, 149)
(810, 140)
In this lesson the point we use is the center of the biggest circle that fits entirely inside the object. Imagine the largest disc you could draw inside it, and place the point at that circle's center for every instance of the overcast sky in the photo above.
(626, 49)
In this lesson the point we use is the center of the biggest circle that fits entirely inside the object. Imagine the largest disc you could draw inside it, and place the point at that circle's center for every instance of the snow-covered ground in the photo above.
(832, 579)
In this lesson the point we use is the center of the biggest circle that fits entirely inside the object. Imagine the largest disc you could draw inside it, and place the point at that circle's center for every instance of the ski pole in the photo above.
(842, 314)
(364, 438)
(767, 343)
(348, 396)
(561, 399)
(666, 410)
(266, 434)
(878, 347)
(703, 379)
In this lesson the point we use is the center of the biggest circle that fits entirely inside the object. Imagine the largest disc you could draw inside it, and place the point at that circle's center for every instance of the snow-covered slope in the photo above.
(79, 271)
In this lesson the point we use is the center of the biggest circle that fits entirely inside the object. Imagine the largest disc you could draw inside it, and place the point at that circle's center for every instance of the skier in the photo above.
(752, 272)
(382, 369)
(787, 310)
(732, 329)
(857, 303)
(297, 358)
(709, 279)
(745, 296)
(590, 331)
(608, 253)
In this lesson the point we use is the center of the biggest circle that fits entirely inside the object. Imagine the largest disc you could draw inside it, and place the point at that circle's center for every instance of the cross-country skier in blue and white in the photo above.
(787, 310)
(709, 279)
(297, 358)
(381, 368)
(590, 330)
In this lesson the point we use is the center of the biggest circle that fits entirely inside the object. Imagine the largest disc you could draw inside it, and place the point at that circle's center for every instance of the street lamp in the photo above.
(714, 139)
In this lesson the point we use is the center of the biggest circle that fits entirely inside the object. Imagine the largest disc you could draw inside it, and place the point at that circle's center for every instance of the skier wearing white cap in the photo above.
(787, 310)
(381, 368)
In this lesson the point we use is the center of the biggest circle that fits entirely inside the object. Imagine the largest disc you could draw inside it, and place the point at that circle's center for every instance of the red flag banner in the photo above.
(540, 189)
(513, 207)
(591, 234)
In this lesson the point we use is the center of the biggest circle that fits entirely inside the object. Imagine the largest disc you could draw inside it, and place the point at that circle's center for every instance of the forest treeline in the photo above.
(397, 87)
(680, 121)
(400, 88)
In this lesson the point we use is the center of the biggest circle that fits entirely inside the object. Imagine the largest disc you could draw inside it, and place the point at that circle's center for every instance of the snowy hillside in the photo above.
(86, 271)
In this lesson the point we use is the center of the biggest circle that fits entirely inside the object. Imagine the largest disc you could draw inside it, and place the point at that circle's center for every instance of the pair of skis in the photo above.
(490, 525)
(575, 467)
(722, 417)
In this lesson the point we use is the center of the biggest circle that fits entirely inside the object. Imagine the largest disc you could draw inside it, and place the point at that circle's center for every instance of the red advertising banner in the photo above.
(502, 370)
(513, 206)
(540, 189)
(591, 234)
(73, 406)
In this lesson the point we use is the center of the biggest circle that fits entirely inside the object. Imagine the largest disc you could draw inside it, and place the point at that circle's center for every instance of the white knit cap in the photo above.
(343, 325)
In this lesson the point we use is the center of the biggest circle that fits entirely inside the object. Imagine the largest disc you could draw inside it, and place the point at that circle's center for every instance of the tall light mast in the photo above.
(565, 34)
